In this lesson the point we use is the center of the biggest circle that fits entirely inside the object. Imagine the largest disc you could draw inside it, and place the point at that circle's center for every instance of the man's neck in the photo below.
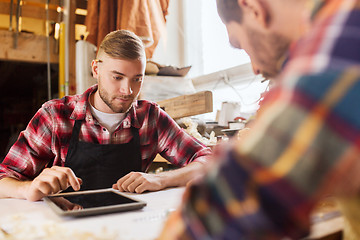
(296, 14)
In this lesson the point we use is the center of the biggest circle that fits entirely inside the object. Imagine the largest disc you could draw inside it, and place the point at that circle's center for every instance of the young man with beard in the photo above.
(305, 142)
(102, 138)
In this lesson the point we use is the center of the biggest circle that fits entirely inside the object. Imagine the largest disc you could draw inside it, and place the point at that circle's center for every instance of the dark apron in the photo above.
(101, 165)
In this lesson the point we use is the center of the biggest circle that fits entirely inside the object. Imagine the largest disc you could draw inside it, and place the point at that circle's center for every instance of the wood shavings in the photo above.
(191, 129)
(19, 228)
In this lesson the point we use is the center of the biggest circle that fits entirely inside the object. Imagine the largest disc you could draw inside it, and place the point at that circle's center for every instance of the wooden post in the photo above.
(69, 20)
(62, 60)
(72, 49)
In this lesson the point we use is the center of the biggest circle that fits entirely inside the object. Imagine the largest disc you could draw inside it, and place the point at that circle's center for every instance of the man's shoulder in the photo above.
(149, 111)
(70, 101)
(65, 104)
(146, 105)
(315, 87)
(324, 77)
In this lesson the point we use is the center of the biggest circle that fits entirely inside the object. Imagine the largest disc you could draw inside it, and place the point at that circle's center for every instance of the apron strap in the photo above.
(74, 139)
(136, 138)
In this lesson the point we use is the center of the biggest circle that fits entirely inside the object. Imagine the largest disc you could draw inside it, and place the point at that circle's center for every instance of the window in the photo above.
(218, 54)
(196, 36)
(201, 41)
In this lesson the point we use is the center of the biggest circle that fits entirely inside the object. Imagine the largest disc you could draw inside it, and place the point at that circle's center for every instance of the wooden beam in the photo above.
(188, 105)
(51, 2)
(36, 9)
(81, 4)
(80, 19)
(31, 11)
(31, 48)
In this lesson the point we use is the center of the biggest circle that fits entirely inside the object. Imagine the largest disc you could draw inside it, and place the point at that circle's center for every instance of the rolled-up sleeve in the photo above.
(176, 146)
(32, 150)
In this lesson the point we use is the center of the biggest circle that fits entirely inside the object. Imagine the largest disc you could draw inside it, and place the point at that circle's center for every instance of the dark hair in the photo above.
(229, 10)
(122, 44)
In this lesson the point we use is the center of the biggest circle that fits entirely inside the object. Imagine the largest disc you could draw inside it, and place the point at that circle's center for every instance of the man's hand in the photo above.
(139, 182)
(50, 181)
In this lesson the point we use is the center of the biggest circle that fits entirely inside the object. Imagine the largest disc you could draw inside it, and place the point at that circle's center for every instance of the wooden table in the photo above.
(35, 220)
(327, 221)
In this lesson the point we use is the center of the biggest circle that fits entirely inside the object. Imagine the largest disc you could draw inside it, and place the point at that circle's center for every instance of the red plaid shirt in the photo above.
(47, 136)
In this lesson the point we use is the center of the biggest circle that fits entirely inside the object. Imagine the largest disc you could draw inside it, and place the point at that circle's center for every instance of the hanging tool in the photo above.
(62, 87)
(48, 49)
(57, 26)
(18, 16)
(11, 15)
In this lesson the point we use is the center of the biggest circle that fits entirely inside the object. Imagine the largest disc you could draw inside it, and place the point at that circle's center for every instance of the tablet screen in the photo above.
(90, 202)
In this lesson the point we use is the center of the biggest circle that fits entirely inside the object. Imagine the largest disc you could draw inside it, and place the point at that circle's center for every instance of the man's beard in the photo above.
(108, 101)
(271, 50)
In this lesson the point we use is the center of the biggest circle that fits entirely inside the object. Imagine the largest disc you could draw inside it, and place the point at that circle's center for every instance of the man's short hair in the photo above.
(229, 10)
(122, 44)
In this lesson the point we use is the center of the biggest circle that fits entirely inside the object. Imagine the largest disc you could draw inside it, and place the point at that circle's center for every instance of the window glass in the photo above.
(218, 54)
(196, 36)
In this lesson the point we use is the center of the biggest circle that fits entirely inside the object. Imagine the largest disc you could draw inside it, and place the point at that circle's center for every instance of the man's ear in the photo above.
(95, 68)
(258, 10)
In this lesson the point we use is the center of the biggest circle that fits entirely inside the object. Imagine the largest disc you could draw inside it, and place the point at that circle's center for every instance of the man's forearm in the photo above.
(181, 176)
(13, 188)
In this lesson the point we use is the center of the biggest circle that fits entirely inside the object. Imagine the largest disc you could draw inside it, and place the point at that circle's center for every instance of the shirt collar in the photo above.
(82, 110)
(131, 118)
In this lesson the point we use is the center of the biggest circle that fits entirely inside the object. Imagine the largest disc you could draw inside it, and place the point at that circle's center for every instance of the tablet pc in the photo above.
(92, 202)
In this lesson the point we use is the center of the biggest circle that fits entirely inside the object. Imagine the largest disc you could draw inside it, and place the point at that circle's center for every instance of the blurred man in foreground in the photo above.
(305, 142)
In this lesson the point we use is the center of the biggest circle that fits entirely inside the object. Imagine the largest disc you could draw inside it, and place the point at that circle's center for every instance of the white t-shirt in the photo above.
(108, 120)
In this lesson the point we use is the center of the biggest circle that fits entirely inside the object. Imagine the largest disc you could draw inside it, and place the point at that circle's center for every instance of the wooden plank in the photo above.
(31, 11)
(80, 19)
(81, 4)
(51, 2)
(36, 9)
(188, 105)
(72, 49)
(31, 48)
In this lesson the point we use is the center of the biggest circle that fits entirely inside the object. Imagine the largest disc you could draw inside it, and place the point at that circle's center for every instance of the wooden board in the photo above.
(36, 9)
(30, 48)
(30, 10)
(72, 48)
(188, 105)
